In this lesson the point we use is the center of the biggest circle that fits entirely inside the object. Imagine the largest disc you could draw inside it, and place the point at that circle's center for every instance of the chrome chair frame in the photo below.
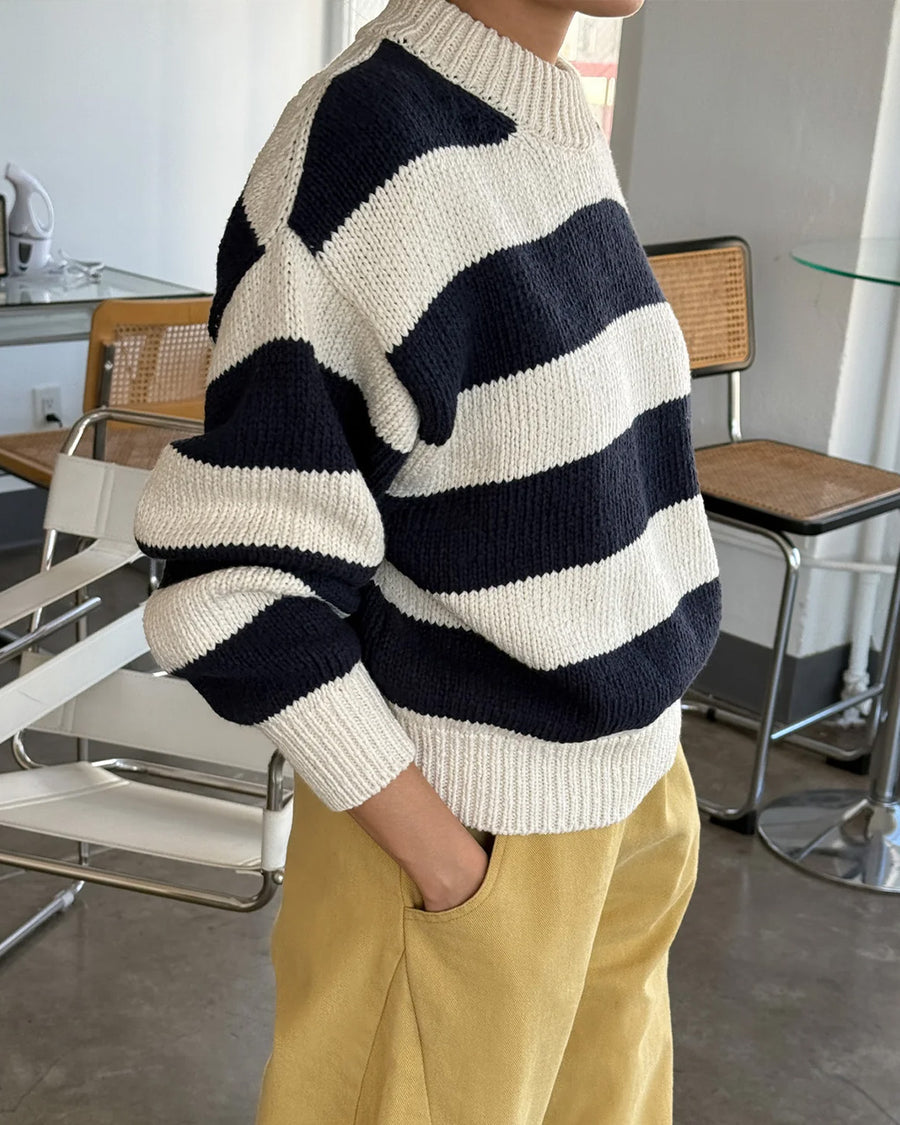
(83, 871)
(743, 817)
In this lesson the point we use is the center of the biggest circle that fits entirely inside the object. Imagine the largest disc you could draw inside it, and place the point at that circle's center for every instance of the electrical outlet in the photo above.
(46, 400)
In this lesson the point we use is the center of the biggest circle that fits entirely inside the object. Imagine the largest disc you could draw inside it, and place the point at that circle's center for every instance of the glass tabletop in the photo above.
(870, 259)
(56, 289)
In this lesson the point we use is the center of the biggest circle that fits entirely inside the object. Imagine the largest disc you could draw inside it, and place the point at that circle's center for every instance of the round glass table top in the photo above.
(870, 259)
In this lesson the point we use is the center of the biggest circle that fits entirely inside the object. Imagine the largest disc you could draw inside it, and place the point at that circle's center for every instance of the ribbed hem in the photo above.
(542, 97)
(514, 785)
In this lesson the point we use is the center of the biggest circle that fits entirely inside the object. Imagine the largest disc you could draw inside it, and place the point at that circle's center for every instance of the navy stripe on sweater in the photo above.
(571, 515)
(435, 670)
(285, 652)
(239, 249)
(280, 408)
(333, 579)
(524, 306)
(363, 132)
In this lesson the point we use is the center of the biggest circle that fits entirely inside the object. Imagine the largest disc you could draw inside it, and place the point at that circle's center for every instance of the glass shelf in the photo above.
(45, 307)
(869, 259)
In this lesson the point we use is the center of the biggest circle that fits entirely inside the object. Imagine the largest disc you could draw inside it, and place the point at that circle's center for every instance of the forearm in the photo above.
(412, 824)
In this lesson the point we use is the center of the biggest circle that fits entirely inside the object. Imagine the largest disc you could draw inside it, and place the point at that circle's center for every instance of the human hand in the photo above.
(464, 884)
(409, 821)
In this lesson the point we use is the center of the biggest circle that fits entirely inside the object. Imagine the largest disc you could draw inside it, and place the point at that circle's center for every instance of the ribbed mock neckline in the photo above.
(542, 97)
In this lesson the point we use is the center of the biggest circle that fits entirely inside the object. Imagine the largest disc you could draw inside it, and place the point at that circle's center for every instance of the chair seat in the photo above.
(33, 455)
(785, 487)
(84, 802)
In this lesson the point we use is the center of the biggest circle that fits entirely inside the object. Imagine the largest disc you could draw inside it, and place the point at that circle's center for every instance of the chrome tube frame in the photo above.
(269, 880)
(21, 756)
(57, 905)
(155, 887)
(155, 575)
(118, 414)
(275, 799)
(744, 817)
(842, 835)
(735, 715)
(82, 872)
(734, 406)
(26, 640)
(179, 773)
(888, 645)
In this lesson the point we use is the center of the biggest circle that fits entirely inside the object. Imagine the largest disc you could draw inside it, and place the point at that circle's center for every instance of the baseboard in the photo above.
(738, 670)
(22, 517)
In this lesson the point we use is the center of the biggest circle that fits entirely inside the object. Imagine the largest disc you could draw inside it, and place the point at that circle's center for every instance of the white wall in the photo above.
(141, 118)
(758, 118)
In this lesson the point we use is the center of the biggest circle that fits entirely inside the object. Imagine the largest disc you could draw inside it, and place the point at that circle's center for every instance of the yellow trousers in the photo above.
(541, 1000)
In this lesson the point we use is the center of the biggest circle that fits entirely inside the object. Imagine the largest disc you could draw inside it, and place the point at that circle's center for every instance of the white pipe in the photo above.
(334, 29)
(764, 547)
(881, 219)
(852, 567)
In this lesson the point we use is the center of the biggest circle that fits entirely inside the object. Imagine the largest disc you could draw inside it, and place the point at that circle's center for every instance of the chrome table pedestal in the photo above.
(848, 836)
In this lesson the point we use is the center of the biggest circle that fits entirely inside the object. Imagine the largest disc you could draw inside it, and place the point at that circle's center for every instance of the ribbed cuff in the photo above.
(343, 740)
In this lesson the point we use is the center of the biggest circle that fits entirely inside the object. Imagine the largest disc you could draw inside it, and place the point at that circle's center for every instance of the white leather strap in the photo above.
(150, 711)
(94, 498)
(276, 831)
(97, 560)
(28, 698)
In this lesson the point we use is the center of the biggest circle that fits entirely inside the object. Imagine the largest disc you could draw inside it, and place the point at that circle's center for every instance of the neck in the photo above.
(541, 93)
(539, 28)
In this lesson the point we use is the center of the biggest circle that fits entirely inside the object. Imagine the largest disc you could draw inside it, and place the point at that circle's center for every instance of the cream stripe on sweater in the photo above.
(445, 508)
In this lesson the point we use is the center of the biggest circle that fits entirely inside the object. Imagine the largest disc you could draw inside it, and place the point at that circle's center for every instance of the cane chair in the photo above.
(767, 488)
(146, 355)
(88, 692)
(143, 354)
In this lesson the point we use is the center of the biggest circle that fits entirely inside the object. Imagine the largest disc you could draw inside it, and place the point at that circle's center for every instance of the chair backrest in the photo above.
(708, 284)
(149, 351)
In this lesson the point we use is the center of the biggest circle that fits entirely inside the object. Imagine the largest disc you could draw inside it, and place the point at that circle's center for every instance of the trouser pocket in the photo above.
(414, 903)
(495, 981)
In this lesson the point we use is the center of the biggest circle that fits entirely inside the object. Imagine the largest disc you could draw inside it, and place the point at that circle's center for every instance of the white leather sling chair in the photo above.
(87, 692)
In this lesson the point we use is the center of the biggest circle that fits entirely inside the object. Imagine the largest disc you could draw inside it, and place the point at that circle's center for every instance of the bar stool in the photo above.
(767, 488)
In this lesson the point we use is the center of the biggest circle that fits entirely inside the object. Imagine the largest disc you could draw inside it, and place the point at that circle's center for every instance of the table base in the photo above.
(841, 835)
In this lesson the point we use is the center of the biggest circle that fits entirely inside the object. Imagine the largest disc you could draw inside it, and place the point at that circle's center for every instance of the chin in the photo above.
(612, 8)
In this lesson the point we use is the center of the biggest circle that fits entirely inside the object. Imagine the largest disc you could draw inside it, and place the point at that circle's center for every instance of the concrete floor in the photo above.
(132, 1010)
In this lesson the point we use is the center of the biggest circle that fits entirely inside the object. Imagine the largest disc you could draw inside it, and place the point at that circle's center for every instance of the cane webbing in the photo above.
(158, 363)
(147, 335)
(33, 455)
(707, 290)
(160, 358)
(791, 482)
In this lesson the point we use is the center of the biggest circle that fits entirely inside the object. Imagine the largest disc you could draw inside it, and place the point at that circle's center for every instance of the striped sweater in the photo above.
(444, 509)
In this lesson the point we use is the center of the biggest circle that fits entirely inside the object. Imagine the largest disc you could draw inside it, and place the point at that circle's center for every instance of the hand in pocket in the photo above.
(466, 884)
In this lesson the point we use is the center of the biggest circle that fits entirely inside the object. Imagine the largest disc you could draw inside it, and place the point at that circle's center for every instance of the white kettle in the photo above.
(29, 233)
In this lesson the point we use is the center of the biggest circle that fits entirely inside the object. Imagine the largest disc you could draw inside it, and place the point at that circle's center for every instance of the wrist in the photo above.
(439, 874)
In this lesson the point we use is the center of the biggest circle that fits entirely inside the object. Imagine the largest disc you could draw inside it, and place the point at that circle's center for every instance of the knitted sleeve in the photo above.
(269, 523)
